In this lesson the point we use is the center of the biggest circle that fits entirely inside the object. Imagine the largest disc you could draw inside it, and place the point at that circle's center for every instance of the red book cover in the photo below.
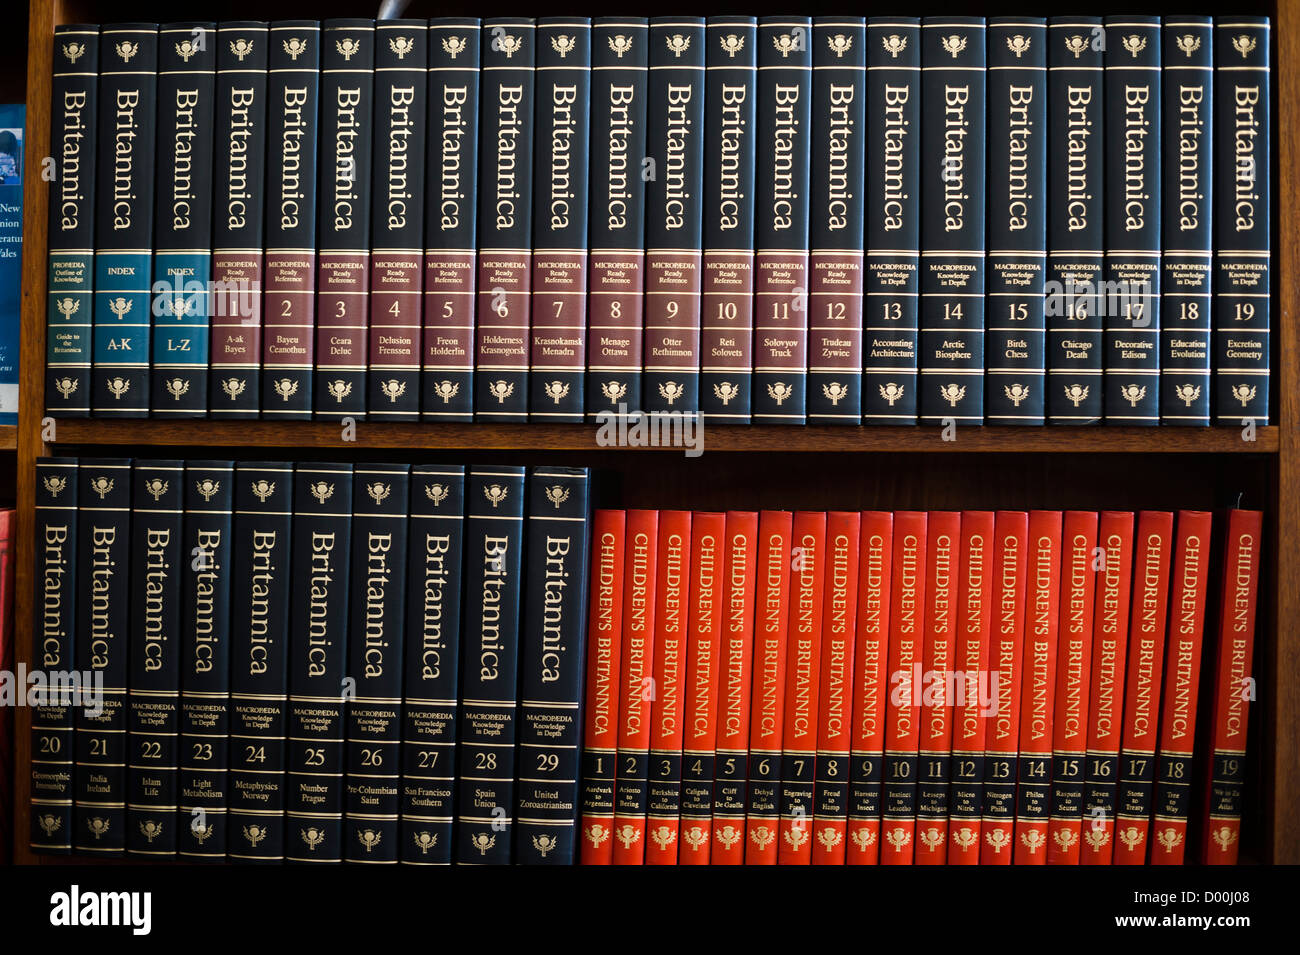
(735, 675)
(1038, 687)
(802, 671)
(870, 687)
(600, 735)
(672, 576)
(7, 664)
(703, 651)
(636, 695)
(1106, 701)
(974, 698)
(903, 713)
(1011, 534)
(767, 695)
(1073, 667)
(1191, 576)
(935, 746)
(835, 712)
(1232, 695)
(1152, 551)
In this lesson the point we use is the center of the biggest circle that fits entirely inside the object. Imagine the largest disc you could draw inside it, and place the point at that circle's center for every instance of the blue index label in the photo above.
(180, 309)
(121, 340)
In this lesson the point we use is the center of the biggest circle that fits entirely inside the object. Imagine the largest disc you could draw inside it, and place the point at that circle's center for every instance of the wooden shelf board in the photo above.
(8, 437)
(576, 437)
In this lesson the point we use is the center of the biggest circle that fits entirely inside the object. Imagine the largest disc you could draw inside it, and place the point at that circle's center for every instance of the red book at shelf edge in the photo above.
(600, 736)
(1182, 679)
(7, 664)
(1232, 687)
(935, 743)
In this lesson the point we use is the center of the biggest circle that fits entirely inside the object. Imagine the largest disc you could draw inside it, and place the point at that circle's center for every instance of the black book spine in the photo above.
(620, 59)
(1075, 237)
(952, 220)
(1242, 237)
(1132, 276)
(378, 613)
(437, 526)
(397, 223)
(674, 216)
(727, 264)
(837, 220)
(182, 262)
(259, 651)
(239, 188)
(893, 230)
(1017, 221)
(347, 88)
(54, 620)
(1185, 265)
(318, 646)
(205, 660)
(103, 621)
(153, 701)
(71, 306)
(447, 355)
(781, 220)
(505, 220)
(124, 198)
(485, 761)
(552, 657)
(289, 264)
(557, 360)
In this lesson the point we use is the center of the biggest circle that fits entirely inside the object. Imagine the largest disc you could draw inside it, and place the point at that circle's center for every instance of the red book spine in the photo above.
(672, 574)
(767, 696)
(1011, 532)
(1038, 687)
(700, 727)
(974, 698)
(735, 674)
(7, 528)
(1231, 701)
(635, 697)
(1146, 648)
(903, 713)
(870, 687)
(600, 736)
(1182, 678)
(1073, 666)
(803, 663)
(935, 745)
(835, 713)
(1106, 704)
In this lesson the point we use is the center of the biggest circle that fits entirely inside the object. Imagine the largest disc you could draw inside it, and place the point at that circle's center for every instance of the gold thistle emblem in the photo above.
(620, 44)
(392, 389)
(1223, 837)
(895, 44)
(296, 47)
(672, 390)
(840, 44)
(786, 43)
(401, 46)
(891, 392)
(965, 837)
(126, 49)
(1243, 44)
(864, 839)
(1019, 45)
(97, 826)
(953, 44)
(262, 489)
(496, 493)
(1016, 392)
(67, 306)
(762, 836)
(286, 388)
(1131, 837)
(696, 838)
(241, 48)
(1076, 394)
(1187, 393)
(662, 836)
(1169, 839)
(952, 393)
(732, 44)
(233, 387)
(1188, 43)
(102, 486)
(501, 390)
(726, 391)
(186, 49)
(1076, 44)
(1065, 838)
(156, 488)
(998, 839)
(348, 47)
(321, 490)
(1133, 393)
(74, 51)
(728, 836)
(446, 390)
(312, 836)
(507, 44)
(55, 485)
(338, 389)
(50, 824)
(796, 836)
(379, 491)
(120, 306)
(437, 493)
(207, 487)
(1135, 43)
(1033, 840)
(483, 841)
(1244, 393)
(65, 386)
(557, 494)
(678, 44)
(254, 834)
(564, 45)
(613, 390)
(779, 391)
(544, 844)
(628, 835)
(201, 833)
(1096, 838)
(151, 830)
(931, 838)
(898, 837)
(829, 839)
(368, 838)
(454, 46)
(556, 390)
(835, 392)
(425, 840)
(118, 386)
(176, 387)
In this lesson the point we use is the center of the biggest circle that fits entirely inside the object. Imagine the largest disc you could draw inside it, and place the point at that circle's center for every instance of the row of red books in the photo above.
(914, 687)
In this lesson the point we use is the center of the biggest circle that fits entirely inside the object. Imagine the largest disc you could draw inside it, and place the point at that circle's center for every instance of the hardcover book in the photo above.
(934, 743)
(902, 712)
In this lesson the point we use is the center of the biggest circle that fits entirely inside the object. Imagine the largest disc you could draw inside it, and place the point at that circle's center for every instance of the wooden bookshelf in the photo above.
(771, 466)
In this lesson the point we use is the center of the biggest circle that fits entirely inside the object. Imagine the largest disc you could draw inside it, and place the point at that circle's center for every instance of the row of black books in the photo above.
(311, 662)
(773, 220)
